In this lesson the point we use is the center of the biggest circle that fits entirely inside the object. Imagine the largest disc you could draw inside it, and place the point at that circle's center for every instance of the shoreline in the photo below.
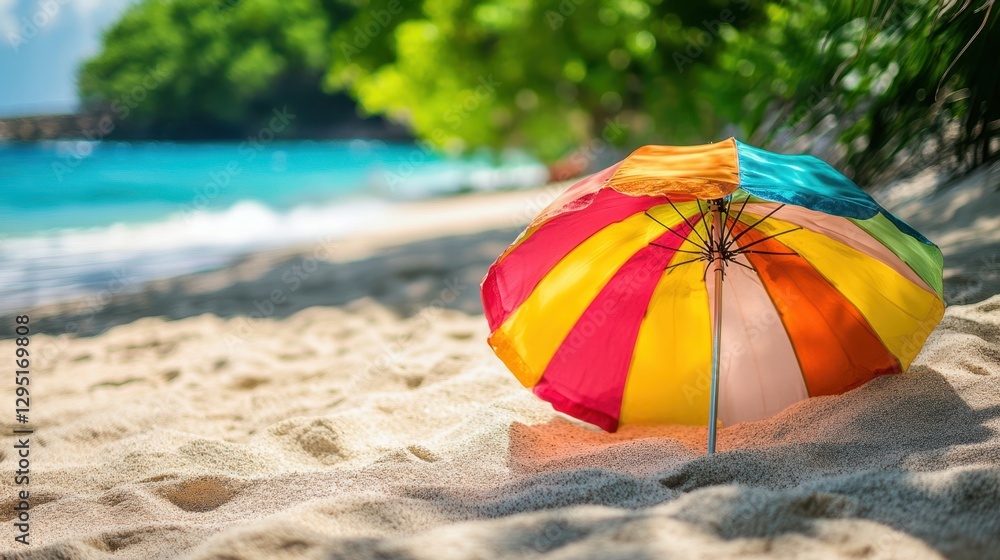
(408, 248)
(461, 235)
(79, 236)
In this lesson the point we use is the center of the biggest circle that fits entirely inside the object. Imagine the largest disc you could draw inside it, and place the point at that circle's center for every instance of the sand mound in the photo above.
(348, 433)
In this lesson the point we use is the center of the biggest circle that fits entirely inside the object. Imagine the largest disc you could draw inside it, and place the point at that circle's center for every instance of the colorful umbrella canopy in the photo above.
(689, 284)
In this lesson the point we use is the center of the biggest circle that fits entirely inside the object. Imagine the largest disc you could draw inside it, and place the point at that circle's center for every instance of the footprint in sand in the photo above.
(200, 494)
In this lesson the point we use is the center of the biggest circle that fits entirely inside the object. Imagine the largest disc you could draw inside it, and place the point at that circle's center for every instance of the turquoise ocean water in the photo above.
(76, 215)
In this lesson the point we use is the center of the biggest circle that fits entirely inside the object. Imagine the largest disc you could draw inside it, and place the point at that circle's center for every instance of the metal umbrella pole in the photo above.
(716, 256)
(716, 249)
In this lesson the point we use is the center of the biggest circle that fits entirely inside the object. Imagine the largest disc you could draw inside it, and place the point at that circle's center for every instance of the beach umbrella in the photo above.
(706, 284)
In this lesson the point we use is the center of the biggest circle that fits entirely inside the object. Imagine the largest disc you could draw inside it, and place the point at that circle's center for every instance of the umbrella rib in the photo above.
(702, 212)
(722, 262)
(755, 224)
(678, 250)
(737, 220)
(745, 247)
(681, 237)
(690, 225)
(764, 253)
(685, 262)
(734, 261)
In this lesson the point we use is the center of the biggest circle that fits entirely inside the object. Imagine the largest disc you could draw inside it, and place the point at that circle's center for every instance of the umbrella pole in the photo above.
(716, 247)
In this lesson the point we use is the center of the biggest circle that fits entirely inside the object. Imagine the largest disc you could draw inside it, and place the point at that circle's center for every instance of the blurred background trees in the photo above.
(561, 72)
(868, 85)
(872, 85)
(215, 68)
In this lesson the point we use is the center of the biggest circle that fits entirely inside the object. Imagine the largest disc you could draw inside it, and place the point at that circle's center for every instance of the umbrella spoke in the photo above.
(702, 212)
(764, 253)
(679, 236)
(737, 219)
(755, 224)
(722, 263)
(685, 262)
(690, 225)
(734, 261)
(761, 240)
(678, 250)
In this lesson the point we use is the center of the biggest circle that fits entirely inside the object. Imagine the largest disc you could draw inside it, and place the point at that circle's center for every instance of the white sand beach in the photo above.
(364, 416)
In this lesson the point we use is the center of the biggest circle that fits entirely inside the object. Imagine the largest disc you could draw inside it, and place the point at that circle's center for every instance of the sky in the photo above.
(42, 42)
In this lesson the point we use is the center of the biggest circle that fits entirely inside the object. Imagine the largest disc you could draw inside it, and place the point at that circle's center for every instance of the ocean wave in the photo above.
(73, 263)
(151, 210)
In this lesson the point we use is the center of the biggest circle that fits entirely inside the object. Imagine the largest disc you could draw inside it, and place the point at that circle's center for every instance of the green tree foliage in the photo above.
(174, 65)
(872, 80)
(859, 82)
(545, 75)
(863, 83)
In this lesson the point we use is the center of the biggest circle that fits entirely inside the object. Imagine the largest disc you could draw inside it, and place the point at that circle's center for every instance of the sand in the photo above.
(963, 218)
(365, 417)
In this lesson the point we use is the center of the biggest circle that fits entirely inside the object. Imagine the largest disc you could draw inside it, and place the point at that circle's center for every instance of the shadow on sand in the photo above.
(873, 457)
(443, 272)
